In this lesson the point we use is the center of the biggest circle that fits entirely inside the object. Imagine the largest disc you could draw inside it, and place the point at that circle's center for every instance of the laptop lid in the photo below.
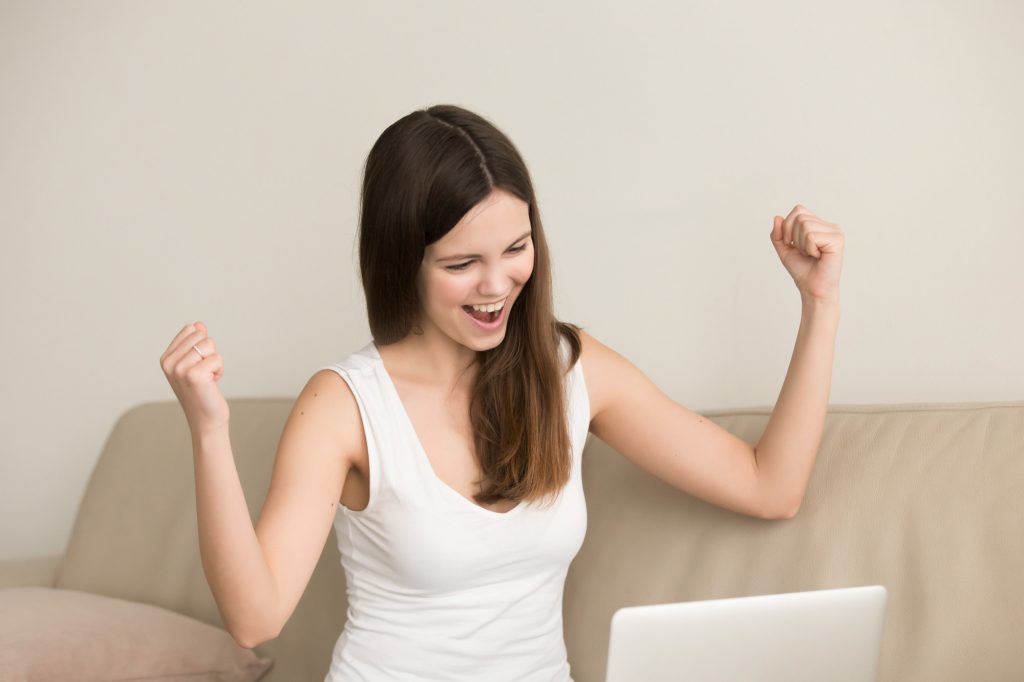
(833, 635)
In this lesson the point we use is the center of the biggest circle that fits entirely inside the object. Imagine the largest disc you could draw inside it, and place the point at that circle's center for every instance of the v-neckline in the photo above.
(423, 452)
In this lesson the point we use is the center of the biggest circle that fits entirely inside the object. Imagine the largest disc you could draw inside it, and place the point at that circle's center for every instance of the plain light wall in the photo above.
(166, 162)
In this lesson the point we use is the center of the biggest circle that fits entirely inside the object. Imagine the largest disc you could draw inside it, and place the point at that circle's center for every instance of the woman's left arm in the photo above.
(811, 249)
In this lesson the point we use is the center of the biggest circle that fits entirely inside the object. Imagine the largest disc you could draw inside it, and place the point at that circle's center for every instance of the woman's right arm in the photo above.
(233, 560)
(257, 574)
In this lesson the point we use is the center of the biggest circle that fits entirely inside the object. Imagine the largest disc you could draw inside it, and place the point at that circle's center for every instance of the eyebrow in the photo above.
(477, 255)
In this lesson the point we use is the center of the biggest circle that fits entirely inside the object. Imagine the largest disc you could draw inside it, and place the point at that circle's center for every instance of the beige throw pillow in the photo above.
(49, 634)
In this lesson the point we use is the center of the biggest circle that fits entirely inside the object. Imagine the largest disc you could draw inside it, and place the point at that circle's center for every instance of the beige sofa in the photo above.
(925, 499)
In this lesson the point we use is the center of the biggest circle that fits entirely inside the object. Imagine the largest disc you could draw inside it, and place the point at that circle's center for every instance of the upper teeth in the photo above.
(489, 308)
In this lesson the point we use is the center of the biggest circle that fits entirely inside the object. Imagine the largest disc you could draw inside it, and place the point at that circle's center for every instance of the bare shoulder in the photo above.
(612, 381)
(330, 396)
(598, 363)
(313, 459)
(641, 422)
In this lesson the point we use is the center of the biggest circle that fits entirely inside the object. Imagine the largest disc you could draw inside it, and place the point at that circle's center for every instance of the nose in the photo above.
(495, 283)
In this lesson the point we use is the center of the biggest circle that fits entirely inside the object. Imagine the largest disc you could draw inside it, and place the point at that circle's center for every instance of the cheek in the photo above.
(524, 270)
(450, 291)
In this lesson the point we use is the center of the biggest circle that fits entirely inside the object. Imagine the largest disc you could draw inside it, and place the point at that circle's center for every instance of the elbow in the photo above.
(251, 631)
(787, 509)
(244, 641)
(248, 641)
(789, 513)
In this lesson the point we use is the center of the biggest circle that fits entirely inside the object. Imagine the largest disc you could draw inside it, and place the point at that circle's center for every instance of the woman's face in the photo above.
(486, 258)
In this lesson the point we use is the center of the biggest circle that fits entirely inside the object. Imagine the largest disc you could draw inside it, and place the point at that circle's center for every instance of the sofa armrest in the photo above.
(33, 572)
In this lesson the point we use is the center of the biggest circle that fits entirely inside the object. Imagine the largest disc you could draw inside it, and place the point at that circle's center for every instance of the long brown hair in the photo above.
(422, 175)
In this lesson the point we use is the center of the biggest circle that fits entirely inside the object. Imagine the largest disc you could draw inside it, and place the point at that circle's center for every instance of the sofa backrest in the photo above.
(136, 534)
(923, 499)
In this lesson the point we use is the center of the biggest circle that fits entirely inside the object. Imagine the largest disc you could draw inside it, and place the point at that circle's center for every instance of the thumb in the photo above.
(776, 232)
(777, 235)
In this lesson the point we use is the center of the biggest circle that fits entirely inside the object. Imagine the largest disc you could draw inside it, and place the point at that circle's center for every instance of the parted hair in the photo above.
(422, 175)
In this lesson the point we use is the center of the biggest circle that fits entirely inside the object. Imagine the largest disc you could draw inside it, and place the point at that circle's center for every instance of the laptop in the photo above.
(833, 635)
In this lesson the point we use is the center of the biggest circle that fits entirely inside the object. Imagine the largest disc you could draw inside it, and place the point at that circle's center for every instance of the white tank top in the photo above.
(440, 588)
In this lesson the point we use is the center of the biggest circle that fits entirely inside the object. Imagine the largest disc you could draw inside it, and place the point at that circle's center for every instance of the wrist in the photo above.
(205, 437)
(814, 302)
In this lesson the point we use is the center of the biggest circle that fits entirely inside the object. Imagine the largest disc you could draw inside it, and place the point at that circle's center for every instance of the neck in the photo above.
(434, 358)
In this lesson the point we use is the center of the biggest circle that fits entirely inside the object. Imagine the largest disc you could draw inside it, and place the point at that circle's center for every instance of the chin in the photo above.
(485, 344)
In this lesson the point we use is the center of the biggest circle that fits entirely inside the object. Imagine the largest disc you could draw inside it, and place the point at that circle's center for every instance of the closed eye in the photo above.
(463, 266)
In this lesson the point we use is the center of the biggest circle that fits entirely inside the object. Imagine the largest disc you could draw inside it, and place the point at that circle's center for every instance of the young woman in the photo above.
(446, 452)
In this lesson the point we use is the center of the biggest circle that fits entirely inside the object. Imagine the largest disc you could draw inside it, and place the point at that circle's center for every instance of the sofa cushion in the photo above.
(136, 538)
(55, 634)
